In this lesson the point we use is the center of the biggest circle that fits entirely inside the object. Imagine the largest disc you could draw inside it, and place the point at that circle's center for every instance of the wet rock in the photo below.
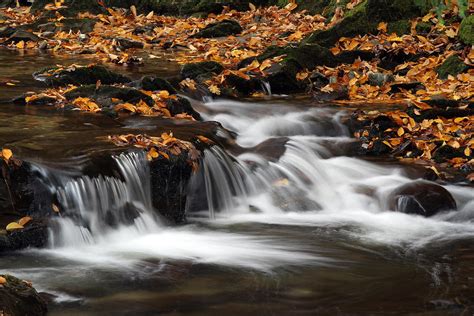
(194, 70)
(379, 79)
(466, 30)
(7, 31)
(146, 29)
(181, 105)
(453, 65)
(169, 180)
(408, 86)
(242, 86)
(66, 25)
(35, 234)
(55, 76)
(220, 29)
(293, 199)
(104, 95)
(19, 298)
(349, 56)
(126, 43)
(282, 76)
(318, 80)
(423, 27)
(441, 102)
(421, 198)
(21, 35)
(338, 93)
(151, 83)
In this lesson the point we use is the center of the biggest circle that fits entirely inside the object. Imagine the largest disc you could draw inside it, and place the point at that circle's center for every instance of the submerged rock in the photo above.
(78, 75)
(151, 83)
(421, 198)
(19, 298)
(220, 29)
(104, 94)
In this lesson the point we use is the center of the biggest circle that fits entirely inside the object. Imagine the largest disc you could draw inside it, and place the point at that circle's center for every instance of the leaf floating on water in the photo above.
(25, 220)
(13, 226)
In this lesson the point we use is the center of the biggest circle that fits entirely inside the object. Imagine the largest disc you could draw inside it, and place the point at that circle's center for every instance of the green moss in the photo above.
(466, 31)
(452, 66)
(423, 27)
(400, 27)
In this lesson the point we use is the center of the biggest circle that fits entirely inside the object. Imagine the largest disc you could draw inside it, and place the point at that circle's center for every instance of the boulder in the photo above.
(19, 298)
(72, 7)
(78, 75)
(151, 83)
(421, 198)
(181, 105)
(21, 35)
(104, 95)
(66, 25)
(453, 65)
(220, 29)
(466, 30)
(126, 43)
(365, 17)
(207, 68)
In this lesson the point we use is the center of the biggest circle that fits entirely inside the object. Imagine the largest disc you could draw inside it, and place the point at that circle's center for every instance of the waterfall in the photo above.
(95, 205)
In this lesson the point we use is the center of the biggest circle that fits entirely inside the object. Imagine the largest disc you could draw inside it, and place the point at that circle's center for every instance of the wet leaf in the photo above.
(13, 226)
(6, 154)
(2, 280)
(25, 220)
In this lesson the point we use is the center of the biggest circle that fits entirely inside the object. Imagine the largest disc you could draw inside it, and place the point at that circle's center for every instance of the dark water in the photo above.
(340, 266)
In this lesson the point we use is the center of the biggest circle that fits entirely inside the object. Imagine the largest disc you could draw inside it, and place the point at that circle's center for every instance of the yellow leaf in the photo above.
(382, 27)
(400, 131)
(14, 226)
(214, 89)
(24, 220)
(6, 154)
(55, 208)
(20, 45)
(2, 280)
(467, 151)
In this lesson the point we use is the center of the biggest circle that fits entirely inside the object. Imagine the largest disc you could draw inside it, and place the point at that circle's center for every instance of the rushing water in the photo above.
(297, 226)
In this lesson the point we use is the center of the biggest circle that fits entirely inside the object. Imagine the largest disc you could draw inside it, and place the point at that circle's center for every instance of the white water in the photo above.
(316, 188)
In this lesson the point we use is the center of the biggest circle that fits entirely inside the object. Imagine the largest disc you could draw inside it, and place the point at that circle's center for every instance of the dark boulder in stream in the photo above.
(79, 75)
(422, 198)
(220, 29)
(19, 298)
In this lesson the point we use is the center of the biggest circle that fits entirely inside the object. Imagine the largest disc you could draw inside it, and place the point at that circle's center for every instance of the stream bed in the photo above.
(301, 227)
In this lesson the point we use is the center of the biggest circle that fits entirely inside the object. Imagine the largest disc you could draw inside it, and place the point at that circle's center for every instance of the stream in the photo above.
(300, 226)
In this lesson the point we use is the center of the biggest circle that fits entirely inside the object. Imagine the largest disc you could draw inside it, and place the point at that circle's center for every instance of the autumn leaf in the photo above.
(2, 280)
(24, 220)
(215, 90)
(6, 154)
(13, 226)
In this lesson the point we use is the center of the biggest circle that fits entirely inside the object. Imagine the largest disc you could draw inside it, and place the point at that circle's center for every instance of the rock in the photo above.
(126, 43)
(401, 27)
(19, 298)
(194, 70)
(379, 79)
(423, 27)
(219, 29)
(169, 180)
(151, 83)
(349, 56)
(79, 76)
(105, 93)
(35, 234)
(66, 25)
(21, 35)
(73, 7)
(181, 105)
(365, 17)
(421, 198)
(441, 102)
(466, 30)
(409, 86)
(453, 65)
(282, 76)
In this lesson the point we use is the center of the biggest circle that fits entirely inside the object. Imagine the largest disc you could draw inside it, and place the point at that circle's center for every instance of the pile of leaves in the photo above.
(164, 146)
(414, 135)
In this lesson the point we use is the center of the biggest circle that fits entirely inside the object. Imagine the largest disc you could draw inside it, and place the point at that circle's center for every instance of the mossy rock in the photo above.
(151, 83)
(423, 27)
(366, 16)
(104, 95)
(453, 65)
(20, 299)
(220, 29)
(466, 31)
(401, 27)
(79, 76)
(194, 70)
